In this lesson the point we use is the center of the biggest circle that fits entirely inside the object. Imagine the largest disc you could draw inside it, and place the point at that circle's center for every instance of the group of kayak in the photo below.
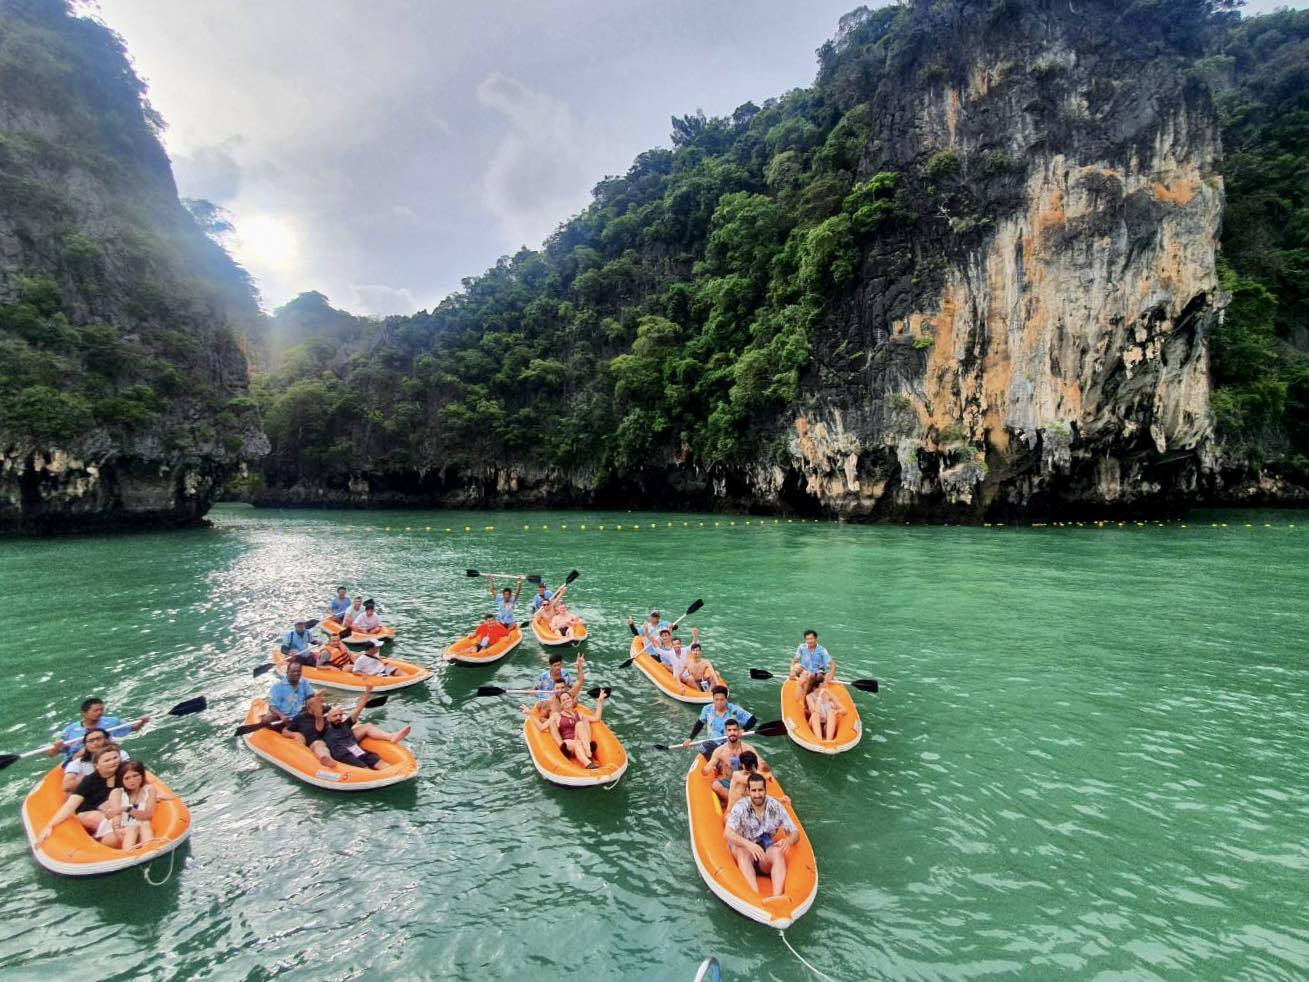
(97, 812)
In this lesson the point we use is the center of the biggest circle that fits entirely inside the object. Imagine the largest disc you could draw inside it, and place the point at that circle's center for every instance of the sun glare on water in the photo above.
(266, 241)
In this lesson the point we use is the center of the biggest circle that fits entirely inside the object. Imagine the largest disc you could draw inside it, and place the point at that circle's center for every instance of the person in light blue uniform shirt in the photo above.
(506, 602)
(545, 682)
(288, 696)
(337, 607)
(299, 640)
(542, 597)
(715, 717)
(811, 658)
(69, 740)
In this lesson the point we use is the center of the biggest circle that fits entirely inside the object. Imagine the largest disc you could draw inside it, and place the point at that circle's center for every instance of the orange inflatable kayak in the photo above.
(406, 674)
(299, 761)
(660, 674)
(551, 638)
(719, 869)
(848, 730)
(383, 633)
(465, 650)
(71, 851)
(552, 765)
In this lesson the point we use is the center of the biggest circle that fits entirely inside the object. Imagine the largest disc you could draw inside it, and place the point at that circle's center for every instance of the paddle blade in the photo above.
(628, 663)
(197, 705)
(249, 728)
(471, 572)
(595, 693)
(571, 576)
(7, 759)
(659, 746)
(260, 669)
(770, 729)
(310, 625)
(759, 675)
(867, 685)
(695, 605)
(490, 690)
(374, 702)
(534, 580)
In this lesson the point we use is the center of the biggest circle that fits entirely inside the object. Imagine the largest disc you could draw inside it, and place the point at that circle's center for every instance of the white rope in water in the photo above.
(145, 870)
(800, 958)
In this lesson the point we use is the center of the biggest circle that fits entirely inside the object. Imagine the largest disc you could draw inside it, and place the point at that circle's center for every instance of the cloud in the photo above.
(208, 172)
(379, 300)
(537, 176)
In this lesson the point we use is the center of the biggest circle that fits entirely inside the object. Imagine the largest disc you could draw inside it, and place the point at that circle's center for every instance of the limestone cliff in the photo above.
(1035, 341)
(122, 384)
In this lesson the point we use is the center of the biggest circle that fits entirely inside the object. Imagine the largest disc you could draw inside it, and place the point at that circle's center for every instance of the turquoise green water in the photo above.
(1088, 757)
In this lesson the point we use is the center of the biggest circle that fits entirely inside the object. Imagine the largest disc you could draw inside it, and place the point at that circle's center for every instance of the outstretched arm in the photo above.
(359, 706)
(519, 591)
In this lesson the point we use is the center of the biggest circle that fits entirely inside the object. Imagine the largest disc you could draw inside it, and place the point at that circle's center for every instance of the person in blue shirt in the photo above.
(715, 717)
(336, 609)
(543, 596)
(545, 682)
(811, 658)
(300, 644)
(505, 604)
(287, 697)
(70, 738)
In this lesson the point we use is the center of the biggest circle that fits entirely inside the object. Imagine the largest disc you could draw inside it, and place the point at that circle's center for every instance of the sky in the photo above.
(381, 151)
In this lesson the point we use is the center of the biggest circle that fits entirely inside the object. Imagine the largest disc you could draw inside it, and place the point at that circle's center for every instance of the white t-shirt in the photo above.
(367, 622)
(367, 664)
(83, 767)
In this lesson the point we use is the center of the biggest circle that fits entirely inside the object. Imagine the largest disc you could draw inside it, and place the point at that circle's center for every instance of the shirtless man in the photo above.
(697, 671)
(558, 616)
(727, 758)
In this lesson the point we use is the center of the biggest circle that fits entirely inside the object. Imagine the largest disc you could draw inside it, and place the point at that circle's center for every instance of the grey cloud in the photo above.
(379, 300)
(208, 172)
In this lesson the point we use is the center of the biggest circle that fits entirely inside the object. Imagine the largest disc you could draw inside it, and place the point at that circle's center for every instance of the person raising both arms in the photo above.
(812, 658)
(759, 832)
(715, 717)
(649, 630)
(507, 603)
(89, 801)
(93, 716)
(661, 650)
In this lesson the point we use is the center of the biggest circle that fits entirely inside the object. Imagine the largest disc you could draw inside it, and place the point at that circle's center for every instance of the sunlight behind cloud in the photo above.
(264, 242)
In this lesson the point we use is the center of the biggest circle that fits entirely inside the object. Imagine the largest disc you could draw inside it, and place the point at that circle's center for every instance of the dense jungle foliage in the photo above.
(112, 290)
(673, 318)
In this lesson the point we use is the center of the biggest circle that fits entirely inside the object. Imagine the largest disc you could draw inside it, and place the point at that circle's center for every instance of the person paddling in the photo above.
(759, 832)
(299, 644)
(715, 717)
(93, 716)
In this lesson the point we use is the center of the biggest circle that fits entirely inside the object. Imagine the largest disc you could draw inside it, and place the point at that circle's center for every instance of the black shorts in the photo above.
(346, 757)
(568, 751)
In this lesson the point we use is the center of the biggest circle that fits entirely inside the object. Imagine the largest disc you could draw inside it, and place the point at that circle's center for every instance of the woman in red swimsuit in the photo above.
(572, 730)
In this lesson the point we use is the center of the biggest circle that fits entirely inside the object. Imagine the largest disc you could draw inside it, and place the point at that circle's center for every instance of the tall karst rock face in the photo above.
(122, 384)
(1027, 332)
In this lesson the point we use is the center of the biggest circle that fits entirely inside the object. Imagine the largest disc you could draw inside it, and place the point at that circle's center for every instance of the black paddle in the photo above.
(866, 685)
(372, 703)
(770, 729)
(495, 690)
(695, 605)
(196, 704)
(504, 576)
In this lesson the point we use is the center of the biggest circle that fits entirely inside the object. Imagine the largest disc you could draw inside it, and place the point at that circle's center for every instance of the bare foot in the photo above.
(327, 762)
(404, 732)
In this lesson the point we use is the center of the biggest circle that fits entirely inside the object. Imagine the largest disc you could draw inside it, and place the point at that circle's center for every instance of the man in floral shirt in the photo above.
(752, 831)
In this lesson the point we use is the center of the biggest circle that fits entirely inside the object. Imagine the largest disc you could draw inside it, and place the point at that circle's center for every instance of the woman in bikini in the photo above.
(824, 711)
(572, 730)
